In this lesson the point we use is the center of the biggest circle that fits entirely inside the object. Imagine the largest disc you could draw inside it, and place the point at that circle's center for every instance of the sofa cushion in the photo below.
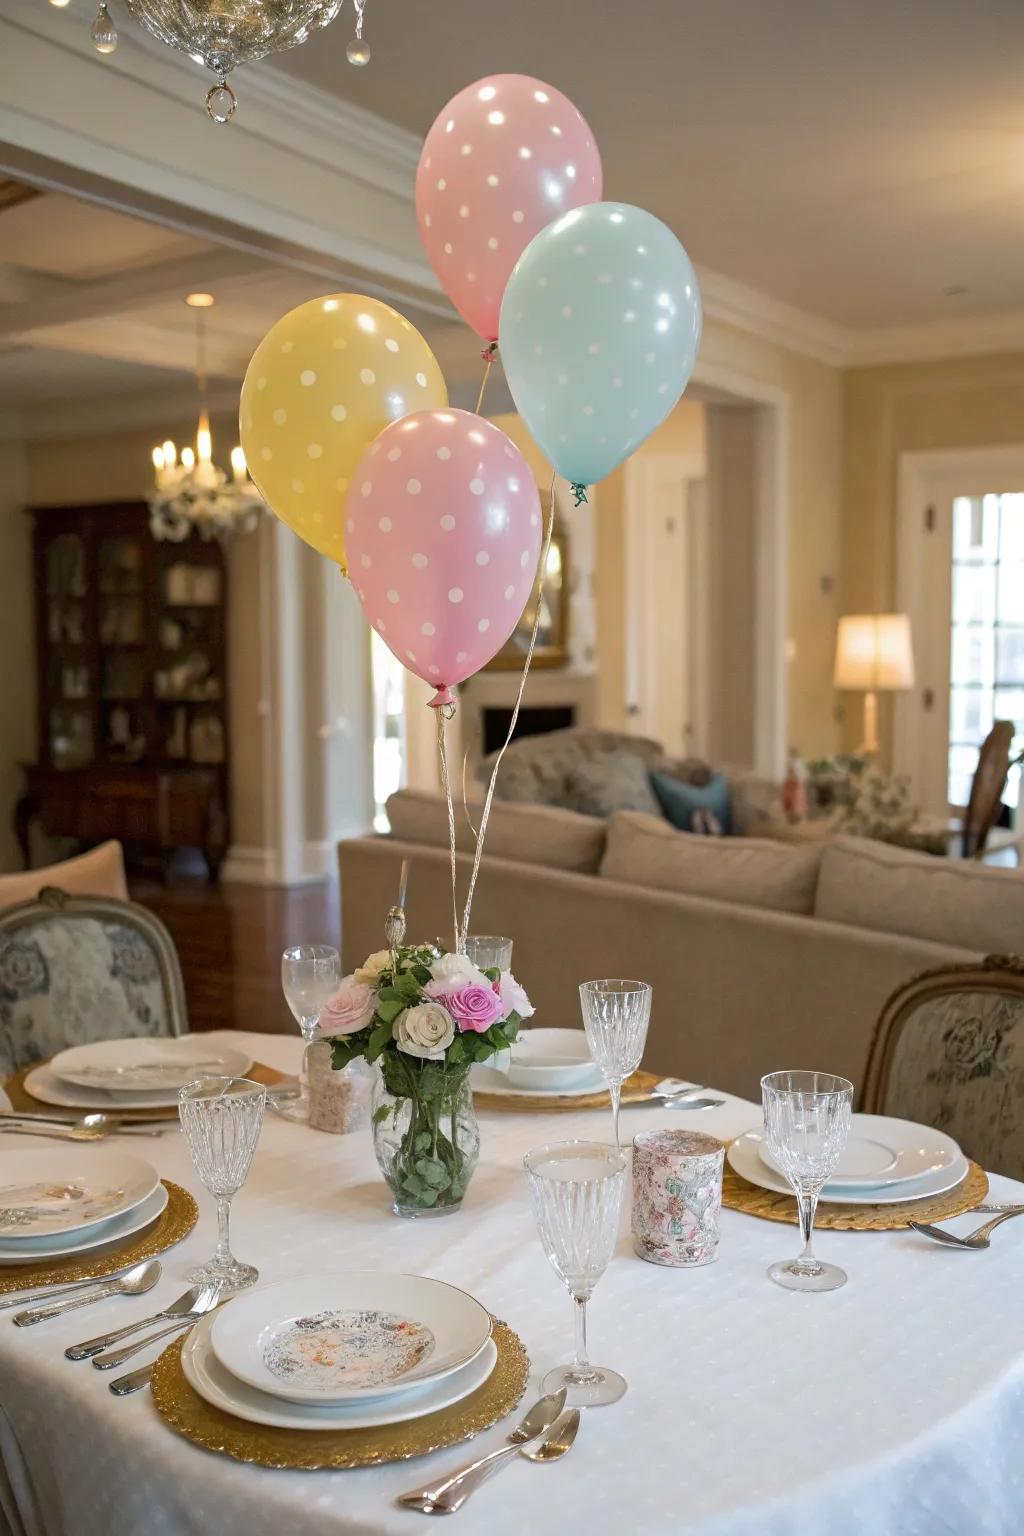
(537, 767)
(681, 802)
(615, 781)
(532, 834)
(950, 901)
(747, 871)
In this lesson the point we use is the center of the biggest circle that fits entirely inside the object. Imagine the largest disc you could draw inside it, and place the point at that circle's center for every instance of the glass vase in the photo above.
(427, 1144)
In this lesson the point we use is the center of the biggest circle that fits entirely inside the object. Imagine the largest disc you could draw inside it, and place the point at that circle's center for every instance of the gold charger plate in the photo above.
(740, 1195)
(25, 1103)
(312, 1449)
(635, 1090)
(175, 1222)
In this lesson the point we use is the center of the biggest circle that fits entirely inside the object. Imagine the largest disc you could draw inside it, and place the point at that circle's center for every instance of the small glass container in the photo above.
(677, 1196)
(339, 1102)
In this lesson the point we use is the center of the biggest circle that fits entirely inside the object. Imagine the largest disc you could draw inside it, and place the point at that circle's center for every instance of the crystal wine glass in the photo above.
(576, 1188)
(310, 974)
(615, 1016)
(806, 1123)
(221, 1118)
(487, 950)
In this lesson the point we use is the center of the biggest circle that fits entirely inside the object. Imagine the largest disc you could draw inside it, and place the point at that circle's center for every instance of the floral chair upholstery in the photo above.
(948, 1051)
(80, 968)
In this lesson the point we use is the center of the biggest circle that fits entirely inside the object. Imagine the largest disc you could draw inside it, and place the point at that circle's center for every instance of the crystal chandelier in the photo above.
(221, 34)
(191, 493)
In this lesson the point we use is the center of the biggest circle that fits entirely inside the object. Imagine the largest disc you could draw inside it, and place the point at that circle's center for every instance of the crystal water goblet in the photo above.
(616, 1014)
(221, 1118)
(806, 1123)
(576, 1188)
(310, 974)
(489, 950)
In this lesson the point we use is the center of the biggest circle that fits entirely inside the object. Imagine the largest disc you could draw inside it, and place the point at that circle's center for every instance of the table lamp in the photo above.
(874, 654)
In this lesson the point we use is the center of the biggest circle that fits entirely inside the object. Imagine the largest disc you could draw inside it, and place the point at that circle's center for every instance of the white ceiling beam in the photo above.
(127, 341)
(103, 297)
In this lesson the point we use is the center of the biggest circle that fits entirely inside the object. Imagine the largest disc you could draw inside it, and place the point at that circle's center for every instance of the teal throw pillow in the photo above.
(692, 807)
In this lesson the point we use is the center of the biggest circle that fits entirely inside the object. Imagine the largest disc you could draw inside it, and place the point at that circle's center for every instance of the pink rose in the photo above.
(471, 1006)
(350, 1009)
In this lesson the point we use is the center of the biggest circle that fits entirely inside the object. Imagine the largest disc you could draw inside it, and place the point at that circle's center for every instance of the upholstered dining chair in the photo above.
(99, 872)
(948, 1051)
(80, 968)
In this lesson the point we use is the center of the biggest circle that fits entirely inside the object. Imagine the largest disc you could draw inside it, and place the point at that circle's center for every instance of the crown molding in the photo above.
(747, 309)
(933, 340)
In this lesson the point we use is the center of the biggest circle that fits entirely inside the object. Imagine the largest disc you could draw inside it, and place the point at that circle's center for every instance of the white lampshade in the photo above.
(874, 652)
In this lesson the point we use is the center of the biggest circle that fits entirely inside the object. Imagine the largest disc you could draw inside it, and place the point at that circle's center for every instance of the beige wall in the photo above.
(812, 391)
(732, 503)
(17, 693)
(118, 467)
(963, 402)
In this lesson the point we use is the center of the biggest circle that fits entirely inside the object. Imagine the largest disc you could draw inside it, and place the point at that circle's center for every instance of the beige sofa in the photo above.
(761, 955)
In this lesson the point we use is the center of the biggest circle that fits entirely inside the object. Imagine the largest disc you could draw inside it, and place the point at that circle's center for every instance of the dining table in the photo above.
(891, 1407)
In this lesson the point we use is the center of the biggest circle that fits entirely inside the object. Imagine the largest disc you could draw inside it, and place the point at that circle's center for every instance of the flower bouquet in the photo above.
(424, 1017)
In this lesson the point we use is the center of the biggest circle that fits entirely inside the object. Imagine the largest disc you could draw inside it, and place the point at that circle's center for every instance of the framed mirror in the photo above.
(552, 648)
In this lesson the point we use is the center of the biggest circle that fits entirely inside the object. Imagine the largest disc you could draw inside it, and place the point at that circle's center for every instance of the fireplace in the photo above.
(534, 720)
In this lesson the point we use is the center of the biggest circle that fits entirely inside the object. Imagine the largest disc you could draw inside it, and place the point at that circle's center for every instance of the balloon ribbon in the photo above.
(444, 714)
(488, 354)
(485, 814)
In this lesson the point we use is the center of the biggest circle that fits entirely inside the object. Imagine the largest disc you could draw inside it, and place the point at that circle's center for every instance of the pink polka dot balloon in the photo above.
(505, 157)
(443, 537)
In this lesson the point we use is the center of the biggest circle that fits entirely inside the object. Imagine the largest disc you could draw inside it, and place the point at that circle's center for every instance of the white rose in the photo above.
(454, 970)
(513, 996)
(425, 1031)
(372, 966)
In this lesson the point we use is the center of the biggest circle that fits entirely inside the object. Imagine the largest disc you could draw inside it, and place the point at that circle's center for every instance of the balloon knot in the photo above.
(443, 699)
(580, 492)
(489, 352)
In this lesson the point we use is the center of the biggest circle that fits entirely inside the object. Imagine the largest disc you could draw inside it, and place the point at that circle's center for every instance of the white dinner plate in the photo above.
(881, 1151)
(62, 1191)
(44, 1084)
(350, 1336)
(112, 1231)
(215, 1383)
(551, 1059)
(148, 1065)
(489, 1080)
(745, 1157)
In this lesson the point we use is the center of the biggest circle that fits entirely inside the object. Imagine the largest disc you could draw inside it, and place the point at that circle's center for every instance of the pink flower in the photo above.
(513, 997)
(351, 1008)
(471, 1006)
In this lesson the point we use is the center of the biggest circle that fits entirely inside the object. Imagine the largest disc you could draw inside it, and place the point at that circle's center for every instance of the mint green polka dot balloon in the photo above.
(600, 326)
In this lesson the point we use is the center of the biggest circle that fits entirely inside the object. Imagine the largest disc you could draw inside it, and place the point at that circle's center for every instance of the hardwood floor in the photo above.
(229, 940)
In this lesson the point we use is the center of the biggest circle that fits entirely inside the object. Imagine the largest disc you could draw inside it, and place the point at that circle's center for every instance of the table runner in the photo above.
(893, 1407)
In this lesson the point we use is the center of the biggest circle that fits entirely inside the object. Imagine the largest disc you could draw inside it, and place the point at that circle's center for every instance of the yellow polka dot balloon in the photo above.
(323, 382)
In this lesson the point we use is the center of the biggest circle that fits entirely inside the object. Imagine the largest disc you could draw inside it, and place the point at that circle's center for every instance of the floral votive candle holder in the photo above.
(677, 1196)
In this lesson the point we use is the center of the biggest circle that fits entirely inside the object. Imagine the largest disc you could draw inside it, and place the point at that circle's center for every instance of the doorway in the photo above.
(961, 579)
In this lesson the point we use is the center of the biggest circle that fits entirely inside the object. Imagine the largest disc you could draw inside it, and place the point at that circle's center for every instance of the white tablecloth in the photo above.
(893, 1407)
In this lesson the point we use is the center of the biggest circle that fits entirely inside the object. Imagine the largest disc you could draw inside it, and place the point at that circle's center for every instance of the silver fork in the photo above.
(114, 1357)
(134, 1381)
(977, 1239)
(192, 1301)
(445, 1497)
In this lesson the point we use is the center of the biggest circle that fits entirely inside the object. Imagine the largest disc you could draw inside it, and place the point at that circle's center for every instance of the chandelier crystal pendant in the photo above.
(191, 493)
(222, 36)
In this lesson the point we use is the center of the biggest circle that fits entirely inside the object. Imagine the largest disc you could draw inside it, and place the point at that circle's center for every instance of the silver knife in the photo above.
(446, 1496)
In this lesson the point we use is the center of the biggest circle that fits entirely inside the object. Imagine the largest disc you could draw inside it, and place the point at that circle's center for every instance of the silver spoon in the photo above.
(557, 1441)
(691, 1103)
(445, 1497)
(977, 1239)
(135, 1283)
(94, 1127)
